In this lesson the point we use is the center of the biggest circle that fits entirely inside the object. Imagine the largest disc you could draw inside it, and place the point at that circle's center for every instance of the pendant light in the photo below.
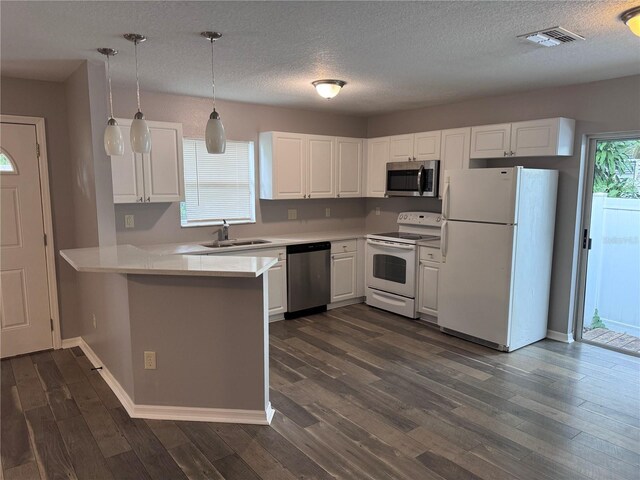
(214, 136)
(328, 88)
(140, 135)
(113, 143)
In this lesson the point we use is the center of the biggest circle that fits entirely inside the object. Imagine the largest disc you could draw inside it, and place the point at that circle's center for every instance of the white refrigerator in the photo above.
(497, 248)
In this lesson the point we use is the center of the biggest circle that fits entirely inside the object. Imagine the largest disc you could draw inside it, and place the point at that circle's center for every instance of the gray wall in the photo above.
(99, 296)
(160, 223)
(48, 100)
(606, 106)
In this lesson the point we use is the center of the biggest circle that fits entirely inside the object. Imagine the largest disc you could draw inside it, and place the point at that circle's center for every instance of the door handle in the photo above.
(445, 238)
(445, 201)
(586, 241)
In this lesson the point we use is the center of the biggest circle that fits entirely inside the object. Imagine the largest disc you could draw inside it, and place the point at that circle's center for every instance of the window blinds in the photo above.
(218, 186)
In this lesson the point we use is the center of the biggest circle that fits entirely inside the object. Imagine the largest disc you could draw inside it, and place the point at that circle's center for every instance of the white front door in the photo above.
(24, 291)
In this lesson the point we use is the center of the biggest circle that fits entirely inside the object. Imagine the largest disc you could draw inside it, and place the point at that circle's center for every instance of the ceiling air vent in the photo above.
(551, 37)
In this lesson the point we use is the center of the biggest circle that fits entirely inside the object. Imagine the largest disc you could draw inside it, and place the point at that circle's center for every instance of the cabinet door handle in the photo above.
(148, 199)
(512, 154)
(141, 200)
(309, 196)
(409, 158)
(338, 195)
(506, 154)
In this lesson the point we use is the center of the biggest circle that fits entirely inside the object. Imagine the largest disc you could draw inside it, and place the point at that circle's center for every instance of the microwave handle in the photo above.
(420, 173)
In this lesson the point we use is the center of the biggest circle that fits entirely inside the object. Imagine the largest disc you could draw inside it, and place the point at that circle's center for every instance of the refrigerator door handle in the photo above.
(445, 201)
(444, 239)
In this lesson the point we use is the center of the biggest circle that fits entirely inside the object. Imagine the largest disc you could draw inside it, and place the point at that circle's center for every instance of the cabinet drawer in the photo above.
(344, 246)
(430, 254)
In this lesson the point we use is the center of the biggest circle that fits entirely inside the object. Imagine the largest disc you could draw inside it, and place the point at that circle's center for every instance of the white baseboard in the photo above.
(560, 336)
(165, 412)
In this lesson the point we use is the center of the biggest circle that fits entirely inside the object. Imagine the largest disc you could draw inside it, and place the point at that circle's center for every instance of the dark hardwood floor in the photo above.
(360, 394)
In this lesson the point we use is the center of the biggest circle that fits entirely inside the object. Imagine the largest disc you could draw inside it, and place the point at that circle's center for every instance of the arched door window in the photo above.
(7, 165)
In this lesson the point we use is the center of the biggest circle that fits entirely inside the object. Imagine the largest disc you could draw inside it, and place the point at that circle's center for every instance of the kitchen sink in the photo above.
(234, 243)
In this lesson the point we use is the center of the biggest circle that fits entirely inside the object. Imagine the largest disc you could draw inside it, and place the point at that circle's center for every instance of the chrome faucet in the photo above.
(224, 232)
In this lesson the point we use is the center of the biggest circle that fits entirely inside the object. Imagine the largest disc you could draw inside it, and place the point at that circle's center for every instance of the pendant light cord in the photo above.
(135, 43)
(110, 94)
(213, 75)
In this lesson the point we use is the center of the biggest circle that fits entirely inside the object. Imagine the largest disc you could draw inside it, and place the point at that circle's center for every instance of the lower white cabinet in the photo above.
(278, 288)
(346, 270)
(428, 281)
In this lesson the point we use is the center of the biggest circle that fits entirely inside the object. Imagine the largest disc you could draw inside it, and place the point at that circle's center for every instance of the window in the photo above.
(6, 165)
(218, 186)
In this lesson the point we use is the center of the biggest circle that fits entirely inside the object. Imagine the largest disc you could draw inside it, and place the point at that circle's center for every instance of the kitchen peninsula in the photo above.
(202, 318)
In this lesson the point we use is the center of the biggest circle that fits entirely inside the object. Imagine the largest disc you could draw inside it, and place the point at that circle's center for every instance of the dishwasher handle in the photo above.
(308, 247)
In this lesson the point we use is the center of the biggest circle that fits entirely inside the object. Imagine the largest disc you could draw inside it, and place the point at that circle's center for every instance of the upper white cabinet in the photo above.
(377, 159)
(296, 165)
(454, 152)
(536, 138)
(426, 146)
(349, 167)
(414, 147)
(321, 166)
(154, 177)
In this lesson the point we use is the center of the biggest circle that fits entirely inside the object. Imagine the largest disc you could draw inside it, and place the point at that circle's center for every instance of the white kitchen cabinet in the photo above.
(377, 159)
(154, 177)
(428, 280)
(491, 141)
(543, 138)
(548, 137)
(414, 147)
(426, 146)
(321, 166)
(283, 165)
(344, 270)
(454, 152)
(296, 165)
(349, 167)
(401, 148)
(277, 288)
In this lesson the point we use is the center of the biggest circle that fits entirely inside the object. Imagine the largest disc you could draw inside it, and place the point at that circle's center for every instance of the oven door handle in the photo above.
(390, 245)
(420, 173)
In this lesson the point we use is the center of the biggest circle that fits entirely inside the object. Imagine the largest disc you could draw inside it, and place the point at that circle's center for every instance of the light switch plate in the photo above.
(129, 221)
(377, 210)
(327, 212)
(292, 213)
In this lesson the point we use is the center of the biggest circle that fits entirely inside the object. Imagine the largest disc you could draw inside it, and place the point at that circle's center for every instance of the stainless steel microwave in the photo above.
(412, 179)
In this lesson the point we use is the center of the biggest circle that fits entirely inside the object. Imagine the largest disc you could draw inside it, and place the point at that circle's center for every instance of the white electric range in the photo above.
(392, 262)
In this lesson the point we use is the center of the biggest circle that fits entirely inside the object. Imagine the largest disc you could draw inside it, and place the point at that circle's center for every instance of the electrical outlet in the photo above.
(377, 210)
(327, 212)
(95, 322)
(149, 360)
(292, 213)
(129, 221)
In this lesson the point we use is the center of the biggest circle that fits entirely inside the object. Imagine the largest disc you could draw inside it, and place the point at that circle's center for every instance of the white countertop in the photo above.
(278, 241)
(134, 260)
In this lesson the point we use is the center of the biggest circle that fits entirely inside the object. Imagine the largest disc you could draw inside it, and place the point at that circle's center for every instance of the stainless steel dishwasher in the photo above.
(308, 278)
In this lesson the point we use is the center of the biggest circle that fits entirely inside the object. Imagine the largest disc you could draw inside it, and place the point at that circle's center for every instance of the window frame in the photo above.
(252, 190)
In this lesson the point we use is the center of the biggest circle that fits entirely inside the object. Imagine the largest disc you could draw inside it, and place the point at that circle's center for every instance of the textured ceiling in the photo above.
(394, 55)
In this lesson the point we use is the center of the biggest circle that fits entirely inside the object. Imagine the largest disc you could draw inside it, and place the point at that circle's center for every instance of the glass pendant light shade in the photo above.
(113, 142)
(632, 19)
(214, 136)
(140, 134)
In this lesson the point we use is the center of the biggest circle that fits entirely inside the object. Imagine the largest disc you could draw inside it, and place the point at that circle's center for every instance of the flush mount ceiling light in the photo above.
(328, 88)
(631, 18)
(214, 135)
(113, 143)
(140, 135)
